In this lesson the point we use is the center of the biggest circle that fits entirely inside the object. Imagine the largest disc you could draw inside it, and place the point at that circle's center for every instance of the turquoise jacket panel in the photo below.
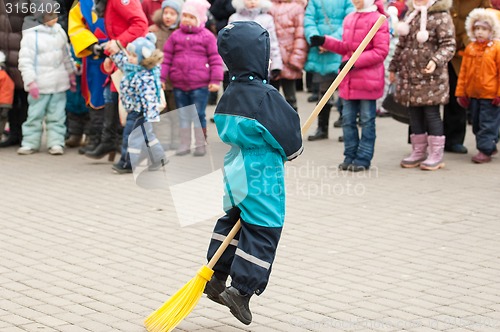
(325, 18)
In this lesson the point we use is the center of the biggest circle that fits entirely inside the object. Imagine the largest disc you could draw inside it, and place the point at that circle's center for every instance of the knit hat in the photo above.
(404, 27)
(175, 5)
(143, 47)
(2, 57)
(483, 24)
(197, 8)
(373, 5)
(50, 7)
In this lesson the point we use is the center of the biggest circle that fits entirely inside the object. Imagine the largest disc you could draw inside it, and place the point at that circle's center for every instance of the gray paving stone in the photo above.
(391, 249)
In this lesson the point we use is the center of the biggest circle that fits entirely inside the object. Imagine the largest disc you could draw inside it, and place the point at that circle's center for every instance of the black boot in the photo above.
(109, 134)
(238, 304)
(322, 131)
(10, 141)
(214, 288)
(94, 132)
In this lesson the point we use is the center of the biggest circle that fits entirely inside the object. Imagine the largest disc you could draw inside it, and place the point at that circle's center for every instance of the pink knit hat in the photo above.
(197, 8)
(404, 27)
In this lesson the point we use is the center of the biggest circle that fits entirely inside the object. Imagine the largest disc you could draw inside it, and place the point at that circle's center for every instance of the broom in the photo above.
(172, 312)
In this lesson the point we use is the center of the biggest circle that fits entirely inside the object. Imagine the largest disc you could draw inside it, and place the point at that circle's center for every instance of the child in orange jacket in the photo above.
(6, 93)
(478, 86)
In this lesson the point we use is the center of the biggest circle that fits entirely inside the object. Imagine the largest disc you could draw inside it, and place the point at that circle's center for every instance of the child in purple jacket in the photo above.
(364, 84)
(194, 66)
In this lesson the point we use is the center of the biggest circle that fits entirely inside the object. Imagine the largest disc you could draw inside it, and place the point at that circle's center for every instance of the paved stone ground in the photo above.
(392, 249)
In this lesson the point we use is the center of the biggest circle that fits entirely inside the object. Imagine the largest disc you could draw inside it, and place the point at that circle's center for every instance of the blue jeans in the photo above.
(485, 124)
(134, 120)
(358, 151)
(198, 97)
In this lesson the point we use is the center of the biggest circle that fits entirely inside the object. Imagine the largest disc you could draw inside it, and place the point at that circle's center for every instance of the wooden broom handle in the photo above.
(343, 72)
(308, 123)
(224, 244)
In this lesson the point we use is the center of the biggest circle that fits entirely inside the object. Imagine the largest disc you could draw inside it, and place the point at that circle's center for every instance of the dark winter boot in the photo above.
(94, 132)
(109, 134)
(200, 142)
(214, 288)
(322, 131)
(73, 141)
(237, 303)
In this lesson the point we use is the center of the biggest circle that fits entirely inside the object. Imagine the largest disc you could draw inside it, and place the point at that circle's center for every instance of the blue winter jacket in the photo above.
(324, 17)
(262, 129)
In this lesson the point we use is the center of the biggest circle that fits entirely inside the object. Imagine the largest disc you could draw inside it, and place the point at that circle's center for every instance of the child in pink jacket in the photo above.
(364, 84)
(194, 67)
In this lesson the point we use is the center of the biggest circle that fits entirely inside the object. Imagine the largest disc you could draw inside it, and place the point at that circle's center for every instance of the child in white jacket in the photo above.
(48, 71)
(257, 11)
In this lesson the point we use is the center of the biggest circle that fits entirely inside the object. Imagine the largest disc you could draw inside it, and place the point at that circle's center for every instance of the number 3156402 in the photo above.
(32, 8)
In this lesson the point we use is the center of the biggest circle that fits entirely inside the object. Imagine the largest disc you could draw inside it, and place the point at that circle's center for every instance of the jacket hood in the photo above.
(31, 24)
(239, 5)
(245, 49)
(437, 6)
(485, 15)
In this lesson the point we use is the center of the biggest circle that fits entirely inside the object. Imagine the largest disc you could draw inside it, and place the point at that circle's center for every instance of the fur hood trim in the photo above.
(438, 6)
(264, 5)
(482, 14)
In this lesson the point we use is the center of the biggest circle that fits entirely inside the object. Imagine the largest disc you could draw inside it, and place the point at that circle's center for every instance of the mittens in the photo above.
(496, 101)
(33, 90)
(464, 102)
(342, 65)
(317, 40)
(72, 82)
(97, 50)
(275, 73)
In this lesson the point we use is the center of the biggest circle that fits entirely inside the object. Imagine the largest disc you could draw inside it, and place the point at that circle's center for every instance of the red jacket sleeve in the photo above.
(125, 20)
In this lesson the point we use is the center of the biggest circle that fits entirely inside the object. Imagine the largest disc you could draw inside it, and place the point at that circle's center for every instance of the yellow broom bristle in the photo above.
(172, 312)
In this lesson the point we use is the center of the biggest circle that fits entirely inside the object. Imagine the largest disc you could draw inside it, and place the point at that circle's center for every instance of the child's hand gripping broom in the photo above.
(172, 312)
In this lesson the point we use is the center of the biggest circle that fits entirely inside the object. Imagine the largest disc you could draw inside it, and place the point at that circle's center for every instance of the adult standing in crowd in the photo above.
(324, 18)
(150, 7)
(87, 34)
(124, 21)
(11, 25)
(455, 116)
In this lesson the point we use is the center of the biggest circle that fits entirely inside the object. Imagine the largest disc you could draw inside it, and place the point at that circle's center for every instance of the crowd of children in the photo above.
(414, 55)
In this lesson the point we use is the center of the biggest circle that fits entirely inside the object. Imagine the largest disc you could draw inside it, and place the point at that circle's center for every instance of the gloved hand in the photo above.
(496, 101)
(317, 40)
(72, 82)
(97, 50)
(463, 101)
(33, 90)
(342, 65)
(275, 73)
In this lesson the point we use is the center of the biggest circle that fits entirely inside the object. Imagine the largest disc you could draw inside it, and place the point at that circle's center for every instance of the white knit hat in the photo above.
(2, 57)
(404, 27)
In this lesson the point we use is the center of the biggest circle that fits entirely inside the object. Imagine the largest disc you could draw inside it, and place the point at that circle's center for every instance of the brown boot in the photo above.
(74, 141)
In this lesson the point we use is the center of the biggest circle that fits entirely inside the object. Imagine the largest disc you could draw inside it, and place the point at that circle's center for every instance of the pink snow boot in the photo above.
(418, 152)
(435, 159)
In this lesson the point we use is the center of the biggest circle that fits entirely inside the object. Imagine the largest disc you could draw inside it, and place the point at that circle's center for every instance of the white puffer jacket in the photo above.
(45, 57)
